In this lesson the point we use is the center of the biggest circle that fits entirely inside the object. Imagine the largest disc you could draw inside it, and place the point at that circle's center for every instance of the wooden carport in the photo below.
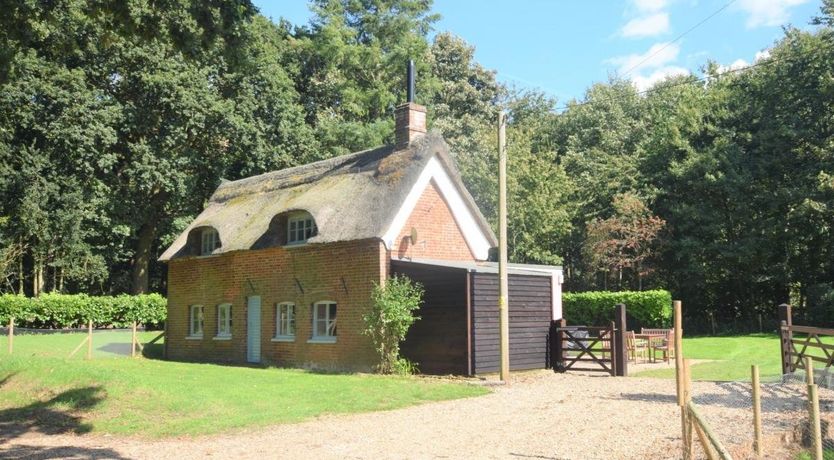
(458, 329)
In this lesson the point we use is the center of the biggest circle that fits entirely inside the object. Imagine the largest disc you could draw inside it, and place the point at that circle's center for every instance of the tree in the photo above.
(54, 134)
(463, 96)
(125, 116)
(352, 63)
(539, 189)
(596, 142)
(624, 240)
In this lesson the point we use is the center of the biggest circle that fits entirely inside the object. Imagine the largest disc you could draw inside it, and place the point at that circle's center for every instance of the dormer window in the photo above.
(210, 241)
(300, 228)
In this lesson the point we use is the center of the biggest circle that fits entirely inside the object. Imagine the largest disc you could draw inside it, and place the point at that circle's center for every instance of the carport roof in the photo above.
(487, 267)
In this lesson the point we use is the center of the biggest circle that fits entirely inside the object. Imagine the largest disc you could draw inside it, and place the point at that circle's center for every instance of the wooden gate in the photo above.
(584, 348)
(590, 348)
(809, 344)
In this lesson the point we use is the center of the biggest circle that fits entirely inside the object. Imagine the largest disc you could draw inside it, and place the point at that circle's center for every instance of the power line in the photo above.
(714, 13)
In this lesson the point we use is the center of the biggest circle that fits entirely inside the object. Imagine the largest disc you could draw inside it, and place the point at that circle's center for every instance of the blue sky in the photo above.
(563, 47)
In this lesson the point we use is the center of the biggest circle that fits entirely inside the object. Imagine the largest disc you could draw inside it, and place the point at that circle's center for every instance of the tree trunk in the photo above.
(639, 277)
(141, 261)
(37, 279)
(20, 269)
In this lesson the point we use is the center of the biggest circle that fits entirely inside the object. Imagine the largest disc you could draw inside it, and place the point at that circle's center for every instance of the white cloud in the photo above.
(768, 12)
(647, 26)
(646, 69)
(650, 6)
(738, 64)
(643, 83)
(659, 55)
(760, 55)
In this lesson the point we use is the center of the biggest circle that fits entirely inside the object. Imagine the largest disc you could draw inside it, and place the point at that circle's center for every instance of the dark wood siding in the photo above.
(530, 314)
(437, 342)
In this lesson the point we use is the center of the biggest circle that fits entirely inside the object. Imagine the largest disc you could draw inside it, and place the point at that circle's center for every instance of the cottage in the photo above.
(279, 267)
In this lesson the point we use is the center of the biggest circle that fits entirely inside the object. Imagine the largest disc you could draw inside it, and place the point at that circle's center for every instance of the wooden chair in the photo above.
(636, 347)
(667, 347)
(605, 344)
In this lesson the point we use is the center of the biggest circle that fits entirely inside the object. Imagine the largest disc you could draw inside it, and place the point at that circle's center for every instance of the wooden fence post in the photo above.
(687, 420)
(612, 334)
(90, 339)
(133, 341)
(676, 305)
(620, 353)
(757, 410)
(680, 378)
(813, 408)
(786, 337)
(11, 335)
(557, 357)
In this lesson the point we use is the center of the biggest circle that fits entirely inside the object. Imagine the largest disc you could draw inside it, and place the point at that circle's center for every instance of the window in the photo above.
(210, 241)
(224, 320)
(300, 229)
(195, 327)
(324, 322)
(285, 322)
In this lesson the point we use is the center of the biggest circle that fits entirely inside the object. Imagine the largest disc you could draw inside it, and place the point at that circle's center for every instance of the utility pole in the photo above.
(503, 311)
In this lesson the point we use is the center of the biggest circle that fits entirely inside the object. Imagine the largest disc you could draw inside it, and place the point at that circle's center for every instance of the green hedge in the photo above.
(74, 310)
(651, 308)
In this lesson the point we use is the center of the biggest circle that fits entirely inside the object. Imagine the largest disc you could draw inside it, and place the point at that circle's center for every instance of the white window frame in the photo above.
(224, 322)
(300, 235)
(199, 321)
(285, 334)
(330, 323)
(208, 241)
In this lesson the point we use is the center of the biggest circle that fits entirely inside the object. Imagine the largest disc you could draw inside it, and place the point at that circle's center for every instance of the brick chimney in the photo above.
(410, 123)
(409, 118)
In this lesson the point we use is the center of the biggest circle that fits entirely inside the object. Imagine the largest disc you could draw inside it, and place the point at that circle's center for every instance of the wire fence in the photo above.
(787, 427)
(72, 343)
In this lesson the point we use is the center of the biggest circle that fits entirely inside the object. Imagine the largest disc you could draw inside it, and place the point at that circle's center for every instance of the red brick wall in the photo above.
(341, 272)
(438, 235)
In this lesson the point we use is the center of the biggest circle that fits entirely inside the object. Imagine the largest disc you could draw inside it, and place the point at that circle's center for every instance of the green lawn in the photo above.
(44, 390)
(827, 454)
(731, 357)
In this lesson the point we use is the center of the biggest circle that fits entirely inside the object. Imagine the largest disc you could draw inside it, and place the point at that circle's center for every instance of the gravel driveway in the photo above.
(540, 415)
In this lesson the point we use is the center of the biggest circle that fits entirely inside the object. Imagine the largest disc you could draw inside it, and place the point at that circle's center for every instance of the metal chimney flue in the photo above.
(410, 81)
(409, 117)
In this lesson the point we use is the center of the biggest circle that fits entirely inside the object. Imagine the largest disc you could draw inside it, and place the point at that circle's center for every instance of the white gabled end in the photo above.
(475, 237)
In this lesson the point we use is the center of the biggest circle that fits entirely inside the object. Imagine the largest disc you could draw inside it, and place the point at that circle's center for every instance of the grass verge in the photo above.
(44, 390)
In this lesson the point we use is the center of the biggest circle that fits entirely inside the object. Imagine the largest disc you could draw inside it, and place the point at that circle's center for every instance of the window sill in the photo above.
(298, 244)
(194, 337)
(284, 338)
(222, 337)
(322, 340)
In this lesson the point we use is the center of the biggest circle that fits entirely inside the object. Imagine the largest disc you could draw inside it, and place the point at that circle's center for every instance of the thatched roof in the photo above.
(351, 197)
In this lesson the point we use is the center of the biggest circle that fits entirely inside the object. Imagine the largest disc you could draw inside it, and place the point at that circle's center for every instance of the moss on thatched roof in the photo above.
(351, 197)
